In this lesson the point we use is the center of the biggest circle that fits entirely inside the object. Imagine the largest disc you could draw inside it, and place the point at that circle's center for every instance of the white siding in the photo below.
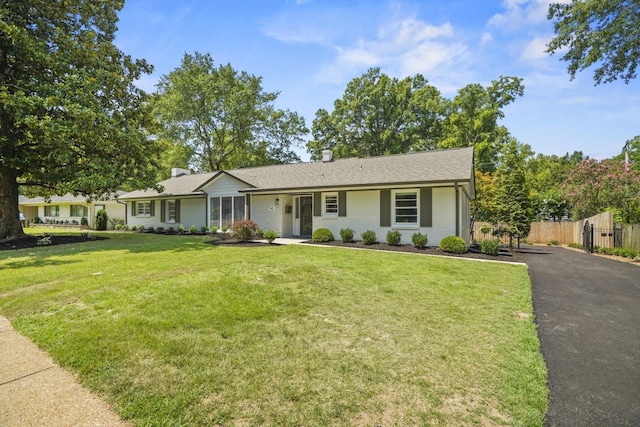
(224, 185)
(192, 212)
(271, 216)
(363, 213)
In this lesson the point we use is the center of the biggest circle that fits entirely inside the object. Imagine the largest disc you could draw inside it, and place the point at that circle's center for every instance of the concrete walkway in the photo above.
(36, 392)
(588, 313)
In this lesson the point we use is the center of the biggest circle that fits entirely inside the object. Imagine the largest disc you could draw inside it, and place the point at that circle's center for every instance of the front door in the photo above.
(306, 216)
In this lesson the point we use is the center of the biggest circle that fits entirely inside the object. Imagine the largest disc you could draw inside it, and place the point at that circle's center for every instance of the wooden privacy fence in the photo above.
(605, 234)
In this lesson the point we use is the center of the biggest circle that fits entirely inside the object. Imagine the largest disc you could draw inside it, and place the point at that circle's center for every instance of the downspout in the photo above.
(457, 210)
(125, 209)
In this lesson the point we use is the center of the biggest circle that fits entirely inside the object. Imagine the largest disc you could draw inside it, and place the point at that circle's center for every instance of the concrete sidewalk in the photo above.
(588, 313)
(34, 391)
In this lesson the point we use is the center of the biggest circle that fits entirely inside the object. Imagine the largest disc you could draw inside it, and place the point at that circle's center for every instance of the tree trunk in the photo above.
(10, 226)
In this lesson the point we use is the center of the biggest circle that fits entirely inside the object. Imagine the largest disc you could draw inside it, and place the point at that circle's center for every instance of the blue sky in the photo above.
(308, 50)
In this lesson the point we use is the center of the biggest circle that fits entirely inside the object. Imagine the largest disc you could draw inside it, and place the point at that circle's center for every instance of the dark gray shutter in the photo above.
(248, 205)
(317, 204)
(153, 208)
(297, 207)
(177, 210)
(385, 208)
(426, 207)
(163, 204)
(134, 212)
(342, 203)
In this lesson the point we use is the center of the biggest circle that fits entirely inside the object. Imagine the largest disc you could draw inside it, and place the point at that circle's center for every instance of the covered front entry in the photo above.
(303, 221)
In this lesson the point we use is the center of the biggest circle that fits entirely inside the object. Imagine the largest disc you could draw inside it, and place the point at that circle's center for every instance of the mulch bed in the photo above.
(514, 257)
(32, 241)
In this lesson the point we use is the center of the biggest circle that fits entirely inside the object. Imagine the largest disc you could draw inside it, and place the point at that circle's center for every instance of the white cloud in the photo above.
(534, 50)
(401, 47)
(520, 14)
(486, 38)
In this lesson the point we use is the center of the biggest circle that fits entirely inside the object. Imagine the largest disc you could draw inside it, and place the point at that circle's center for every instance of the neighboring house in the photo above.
(427, 192)
(68, 209)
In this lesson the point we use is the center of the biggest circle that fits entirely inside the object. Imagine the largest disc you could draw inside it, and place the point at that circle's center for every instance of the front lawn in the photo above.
(172, 331)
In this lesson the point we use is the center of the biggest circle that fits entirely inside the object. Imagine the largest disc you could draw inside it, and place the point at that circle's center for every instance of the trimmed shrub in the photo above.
(485, 229)
(193, 229)
(244, 230)
(203, 229)
(214, 228)
(101, 219)
(346, 234)
(84, 221)
(453, 244)
(181, 229)
(553, 243)
(369, 237)
(419, 240)
(134, 228)
(322, 235)
(490, 246)
(270, 235)
(394, 237)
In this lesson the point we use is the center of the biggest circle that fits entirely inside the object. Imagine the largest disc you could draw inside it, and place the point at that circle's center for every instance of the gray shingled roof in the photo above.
(413, 168)
(67, 198)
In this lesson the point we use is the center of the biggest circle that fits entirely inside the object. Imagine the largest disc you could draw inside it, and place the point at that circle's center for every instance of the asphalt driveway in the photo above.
(588, 313)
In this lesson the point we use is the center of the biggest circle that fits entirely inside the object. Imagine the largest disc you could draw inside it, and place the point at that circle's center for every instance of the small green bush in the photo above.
(203, 229)
(193, 229)
(44, 241)
(170, 230)
(101, 219)
(394, 237)
(134, 228)
(160, 229)
(346, 234)
(322, 235)
(575, 245)
(244, 230)
(453, 244)
(270, 235)
(369, 237)
(490, 246)
(419, 240)
(84, 221)
(181, 229)
(553, 243)
(150, 229)
(214, 228)
(225, 228)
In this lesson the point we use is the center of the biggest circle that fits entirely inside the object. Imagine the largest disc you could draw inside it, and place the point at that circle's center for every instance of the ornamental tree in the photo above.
(71, 119)
(597, 186)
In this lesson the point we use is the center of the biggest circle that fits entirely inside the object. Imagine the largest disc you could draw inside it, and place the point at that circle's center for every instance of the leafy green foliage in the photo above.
(369, 237)
(553, 242)
(394, 237)
(597, 32)
(623, 252)
(270, 235)
(596, 186)
(71, 118)
(322, 235)
(216, 117)
(453, 244)
(193, 229)
(346, 234)
(490, 246)
(419, 240)
(244, 230)
(513, 207)
(102, 219)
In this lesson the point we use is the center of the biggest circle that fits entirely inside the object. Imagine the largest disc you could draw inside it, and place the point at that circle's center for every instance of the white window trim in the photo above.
(145, 215)
(324, 205)
(405, 225)
(218, 221)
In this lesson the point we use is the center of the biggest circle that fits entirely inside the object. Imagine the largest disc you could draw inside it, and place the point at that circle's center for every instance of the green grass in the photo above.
(172, 331)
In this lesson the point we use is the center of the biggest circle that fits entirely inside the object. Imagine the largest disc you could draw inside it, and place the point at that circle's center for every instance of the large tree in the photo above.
(598, 32)
(379, 115)
(223, 117)
(471, 119)
(71, 119)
